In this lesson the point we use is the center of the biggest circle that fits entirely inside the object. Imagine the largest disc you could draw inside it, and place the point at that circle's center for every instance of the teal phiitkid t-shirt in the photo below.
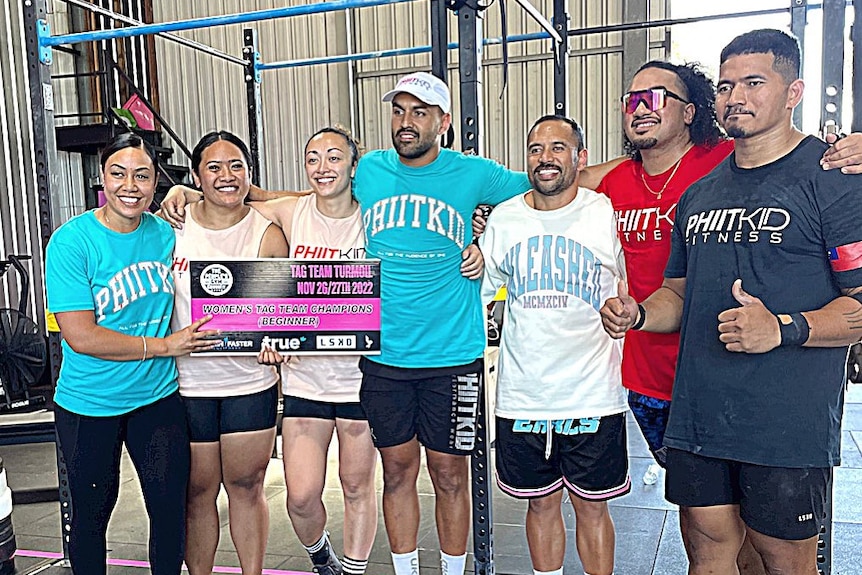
(417, 222)
(126, 281)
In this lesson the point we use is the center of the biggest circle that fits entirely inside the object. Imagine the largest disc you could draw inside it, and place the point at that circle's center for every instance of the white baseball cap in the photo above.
(430, 89)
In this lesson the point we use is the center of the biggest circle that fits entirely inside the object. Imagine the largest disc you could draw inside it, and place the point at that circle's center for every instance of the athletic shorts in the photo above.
(301, 407)
(437, 406)
(781, 502)
(212, 417)
(651, 414)
(587, 455)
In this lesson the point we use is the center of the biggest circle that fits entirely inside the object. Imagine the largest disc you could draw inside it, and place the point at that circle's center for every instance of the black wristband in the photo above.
(796, 331)
(641, 319)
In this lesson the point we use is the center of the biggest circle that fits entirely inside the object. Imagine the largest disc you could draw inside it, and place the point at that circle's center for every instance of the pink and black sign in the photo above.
(297, 307)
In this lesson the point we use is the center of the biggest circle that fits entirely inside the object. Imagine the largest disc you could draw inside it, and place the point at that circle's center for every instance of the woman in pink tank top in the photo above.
(321, 394)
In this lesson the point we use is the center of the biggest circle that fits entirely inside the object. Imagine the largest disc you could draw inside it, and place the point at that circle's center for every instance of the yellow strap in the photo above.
(501, 294)
(51, 322)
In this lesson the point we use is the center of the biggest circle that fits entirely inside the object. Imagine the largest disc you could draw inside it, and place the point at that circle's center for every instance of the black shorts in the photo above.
(212, 417)
(436, 407)
(301, 407)
(588, 455)
(781, 502)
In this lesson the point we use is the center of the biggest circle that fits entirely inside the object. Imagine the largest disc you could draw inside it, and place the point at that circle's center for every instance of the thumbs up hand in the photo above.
(750, 328)
(619, 313)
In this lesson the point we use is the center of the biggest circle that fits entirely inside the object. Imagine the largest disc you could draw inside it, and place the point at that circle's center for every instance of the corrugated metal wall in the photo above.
(200, 93)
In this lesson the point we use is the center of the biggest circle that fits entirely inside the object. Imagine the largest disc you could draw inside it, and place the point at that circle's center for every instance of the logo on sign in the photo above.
(236, 344)
(336, 342)
(216, 279)
(282, 343)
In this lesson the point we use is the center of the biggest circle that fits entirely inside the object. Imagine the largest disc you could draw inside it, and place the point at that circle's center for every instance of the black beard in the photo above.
(735, 132)
(550, 188)
(644, 143)
(413, 150)
(555, 191)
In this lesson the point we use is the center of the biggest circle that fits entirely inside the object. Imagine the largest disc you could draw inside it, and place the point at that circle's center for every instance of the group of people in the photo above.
(752, 410)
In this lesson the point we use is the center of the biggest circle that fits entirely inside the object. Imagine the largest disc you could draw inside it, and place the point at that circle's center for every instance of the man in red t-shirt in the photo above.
(673, 139)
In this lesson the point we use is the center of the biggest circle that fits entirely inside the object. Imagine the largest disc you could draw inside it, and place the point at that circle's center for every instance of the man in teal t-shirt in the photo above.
(417, 200)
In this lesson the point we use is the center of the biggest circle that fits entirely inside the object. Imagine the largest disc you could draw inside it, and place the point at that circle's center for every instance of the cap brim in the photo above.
(390, 95)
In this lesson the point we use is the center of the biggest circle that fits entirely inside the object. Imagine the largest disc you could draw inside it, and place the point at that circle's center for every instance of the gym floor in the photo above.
(648, 539)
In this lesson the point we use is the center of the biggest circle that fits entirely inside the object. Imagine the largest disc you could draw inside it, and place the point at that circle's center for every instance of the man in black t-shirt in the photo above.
(764, 284)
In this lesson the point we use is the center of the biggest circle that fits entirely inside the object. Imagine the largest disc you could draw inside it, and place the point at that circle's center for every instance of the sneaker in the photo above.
(652, 473)
(331, 567)
(326, 561)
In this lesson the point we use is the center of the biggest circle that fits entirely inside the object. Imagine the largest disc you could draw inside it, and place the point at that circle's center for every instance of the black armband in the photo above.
(794, 329)
(641, 317)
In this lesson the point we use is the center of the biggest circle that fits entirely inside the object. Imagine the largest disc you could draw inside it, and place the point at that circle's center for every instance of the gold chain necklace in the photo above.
(666, 182)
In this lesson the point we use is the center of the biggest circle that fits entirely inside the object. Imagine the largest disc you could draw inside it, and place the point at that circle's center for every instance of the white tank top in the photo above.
(216, 376)
(333, 379)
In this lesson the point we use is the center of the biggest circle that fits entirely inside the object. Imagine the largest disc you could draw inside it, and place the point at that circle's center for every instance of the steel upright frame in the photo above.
(47, 178)
(832, 65)
(798, 21)
(561, 58)
(254, 109)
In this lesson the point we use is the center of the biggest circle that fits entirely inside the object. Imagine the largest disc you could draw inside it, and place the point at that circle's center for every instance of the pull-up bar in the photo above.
(172, 37)
(46, 40)
(394, 52)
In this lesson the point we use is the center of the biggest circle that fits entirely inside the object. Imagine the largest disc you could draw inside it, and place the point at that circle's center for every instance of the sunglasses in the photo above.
(653, 98)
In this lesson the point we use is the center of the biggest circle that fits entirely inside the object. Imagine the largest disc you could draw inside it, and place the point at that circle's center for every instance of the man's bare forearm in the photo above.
(664, 307)
(837, 324)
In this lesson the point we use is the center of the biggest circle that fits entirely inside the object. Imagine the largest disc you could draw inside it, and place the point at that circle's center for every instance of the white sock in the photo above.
(452, 564)
(585, 573)
(406, 563)
(554, 572)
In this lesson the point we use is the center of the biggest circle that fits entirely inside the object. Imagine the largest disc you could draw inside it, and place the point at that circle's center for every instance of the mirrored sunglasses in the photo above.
(653, 98)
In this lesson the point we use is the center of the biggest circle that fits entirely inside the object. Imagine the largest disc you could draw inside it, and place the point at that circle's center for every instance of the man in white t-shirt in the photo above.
(560, 410)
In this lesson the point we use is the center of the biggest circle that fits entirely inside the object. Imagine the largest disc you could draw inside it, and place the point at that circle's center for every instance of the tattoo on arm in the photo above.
(673, 291)
(854, 318)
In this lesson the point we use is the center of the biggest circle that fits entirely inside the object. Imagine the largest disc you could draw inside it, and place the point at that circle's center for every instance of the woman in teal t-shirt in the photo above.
(109, 283)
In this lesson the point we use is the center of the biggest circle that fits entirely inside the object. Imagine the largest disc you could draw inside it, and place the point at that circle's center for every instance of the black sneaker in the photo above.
(331, 567)
(326, 561)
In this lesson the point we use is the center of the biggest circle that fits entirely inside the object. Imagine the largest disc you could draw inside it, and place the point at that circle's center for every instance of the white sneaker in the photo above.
(652, 473)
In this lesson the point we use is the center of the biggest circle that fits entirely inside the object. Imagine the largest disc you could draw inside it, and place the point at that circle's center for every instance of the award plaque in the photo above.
(296, 307)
